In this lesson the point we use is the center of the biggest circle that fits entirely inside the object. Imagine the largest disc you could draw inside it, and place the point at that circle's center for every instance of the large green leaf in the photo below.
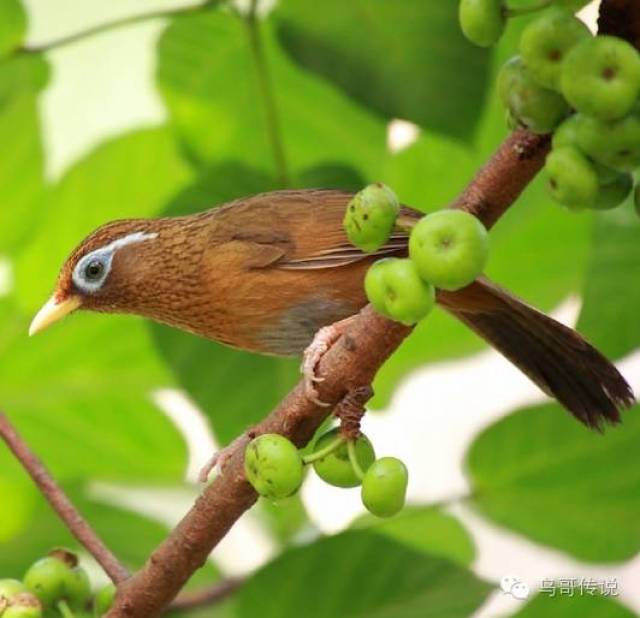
(425, 529)
(544, 475)
(405, 59)
(22, 183)
(13, 25)
(578, 606)
(80, 394)
(208, 78)
(611, 295)
(359, 574)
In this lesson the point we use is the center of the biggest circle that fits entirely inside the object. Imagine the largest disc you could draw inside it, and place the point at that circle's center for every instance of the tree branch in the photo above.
(352, 362)
(208, 596)
(114, 25)
(61, 504)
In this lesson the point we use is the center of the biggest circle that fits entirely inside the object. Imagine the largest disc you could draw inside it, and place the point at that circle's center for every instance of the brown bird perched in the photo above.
(266, 273)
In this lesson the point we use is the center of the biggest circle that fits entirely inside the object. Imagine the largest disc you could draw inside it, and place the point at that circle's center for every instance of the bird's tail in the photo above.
(560, 361)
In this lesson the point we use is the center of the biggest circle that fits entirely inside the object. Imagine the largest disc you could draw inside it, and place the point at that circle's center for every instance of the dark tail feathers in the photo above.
(561, 362)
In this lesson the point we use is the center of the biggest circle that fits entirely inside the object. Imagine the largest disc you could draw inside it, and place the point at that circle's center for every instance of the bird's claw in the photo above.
(221, 458)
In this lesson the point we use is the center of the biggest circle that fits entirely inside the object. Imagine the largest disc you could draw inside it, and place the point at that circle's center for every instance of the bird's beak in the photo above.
(52, 311)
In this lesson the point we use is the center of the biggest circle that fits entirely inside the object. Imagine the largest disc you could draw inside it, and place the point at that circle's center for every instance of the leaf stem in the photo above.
(265, 86)
(64, 609)
(114, 25)
(327, 450)
(351, 449)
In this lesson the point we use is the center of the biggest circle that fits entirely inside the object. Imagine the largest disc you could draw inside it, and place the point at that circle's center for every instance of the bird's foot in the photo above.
(321, 343)
(221, 458)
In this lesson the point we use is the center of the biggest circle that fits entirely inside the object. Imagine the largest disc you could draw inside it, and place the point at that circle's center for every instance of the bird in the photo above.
(275, 274)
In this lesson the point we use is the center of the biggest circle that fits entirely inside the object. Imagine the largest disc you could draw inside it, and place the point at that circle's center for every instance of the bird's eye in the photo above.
(94, 270)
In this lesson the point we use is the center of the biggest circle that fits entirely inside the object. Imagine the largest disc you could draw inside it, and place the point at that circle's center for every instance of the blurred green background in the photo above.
(304, 96)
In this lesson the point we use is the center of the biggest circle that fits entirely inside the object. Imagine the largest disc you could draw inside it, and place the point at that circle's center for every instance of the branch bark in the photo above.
(352, 362)
(61, 504)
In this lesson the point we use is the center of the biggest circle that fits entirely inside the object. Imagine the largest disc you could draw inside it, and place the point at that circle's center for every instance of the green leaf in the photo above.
(22, 74)
(80, 395)
(22, 183)
(543, 475)
(359, 574)
(207, 76)
(13, 25)
(611, 295)
(404, 59)
(425, 529)
(573, 607)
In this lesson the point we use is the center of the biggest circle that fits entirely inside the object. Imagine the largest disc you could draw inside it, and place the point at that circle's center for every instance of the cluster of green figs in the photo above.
(54, 587)
(275, 468)
(584, 89)
(448, 249)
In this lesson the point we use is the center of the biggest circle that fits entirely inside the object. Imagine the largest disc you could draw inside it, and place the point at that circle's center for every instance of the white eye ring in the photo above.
(92, 270)
(101, 259)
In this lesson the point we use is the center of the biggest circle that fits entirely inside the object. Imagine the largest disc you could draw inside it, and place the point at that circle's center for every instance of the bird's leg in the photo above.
(321, 343)
(351, 409)
(221, 458)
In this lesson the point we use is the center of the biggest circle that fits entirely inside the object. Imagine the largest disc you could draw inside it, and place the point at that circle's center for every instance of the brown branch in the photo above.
(61, 504)
(207, 597)
(352, 362)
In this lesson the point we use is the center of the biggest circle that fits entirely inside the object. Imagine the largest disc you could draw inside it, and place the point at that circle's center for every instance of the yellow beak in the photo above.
(52, 311)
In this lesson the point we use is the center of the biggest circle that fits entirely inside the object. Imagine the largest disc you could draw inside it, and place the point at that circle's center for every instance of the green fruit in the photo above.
(77, 588)
(539, 109)
(272, 464)
(571, 5)
(614, 193)
(23, 605)
(615, 143)
(10, 587)
(46, 579)
(450, 248)
(601, 77)
(335, 468)
(104, 600)
(395, 289)
(573, 181)
(567, 133)
(384, 487)
(546, 41)
(482, 21)
(57, 577)
(370, 217)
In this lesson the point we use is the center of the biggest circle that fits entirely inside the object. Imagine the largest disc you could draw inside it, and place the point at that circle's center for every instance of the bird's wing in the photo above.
(301, 229)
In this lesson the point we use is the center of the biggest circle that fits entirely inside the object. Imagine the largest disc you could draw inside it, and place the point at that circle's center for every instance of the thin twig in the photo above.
(61, 504)
(114, 25)
(272, 119)
(207, 597)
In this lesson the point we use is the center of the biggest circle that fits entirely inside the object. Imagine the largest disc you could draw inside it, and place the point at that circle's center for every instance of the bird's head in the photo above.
(104, 272)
